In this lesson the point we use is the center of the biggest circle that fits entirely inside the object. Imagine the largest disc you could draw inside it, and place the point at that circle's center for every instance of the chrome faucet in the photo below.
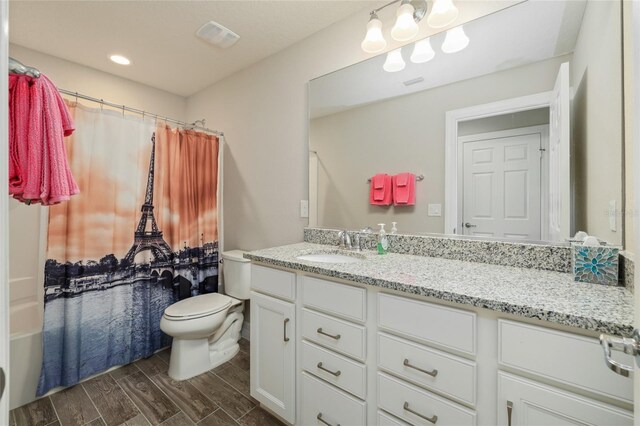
(344, 240)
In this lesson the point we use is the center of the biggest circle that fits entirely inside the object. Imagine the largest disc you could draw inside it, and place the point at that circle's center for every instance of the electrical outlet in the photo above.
(434, 210)
(304, 208)
(613, 215)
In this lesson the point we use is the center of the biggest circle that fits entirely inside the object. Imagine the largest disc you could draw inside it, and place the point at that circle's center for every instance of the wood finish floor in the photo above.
(142, 394)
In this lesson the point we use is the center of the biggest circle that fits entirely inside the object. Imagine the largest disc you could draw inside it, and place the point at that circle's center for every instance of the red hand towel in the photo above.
(380, 194)
(404, 189)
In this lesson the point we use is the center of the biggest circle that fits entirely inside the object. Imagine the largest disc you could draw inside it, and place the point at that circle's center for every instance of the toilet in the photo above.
(206, 328)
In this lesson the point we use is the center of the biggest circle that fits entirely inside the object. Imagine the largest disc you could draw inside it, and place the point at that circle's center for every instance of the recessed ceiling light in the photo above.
(119, 59)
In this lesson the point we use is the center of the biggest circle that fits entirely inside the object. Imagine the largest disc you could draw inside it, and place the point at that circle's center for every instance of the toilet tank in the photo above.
(237, 274)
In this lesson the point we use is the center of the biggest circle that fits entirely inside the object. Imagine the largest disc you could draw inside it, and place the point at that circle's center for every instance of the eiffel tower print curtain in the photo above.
(142, 234)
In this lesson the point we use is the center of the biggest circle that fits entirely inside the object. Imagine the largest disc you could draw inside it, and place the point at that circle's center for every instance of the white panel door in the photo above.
(502, 186)
(273, 354)
(559, 158)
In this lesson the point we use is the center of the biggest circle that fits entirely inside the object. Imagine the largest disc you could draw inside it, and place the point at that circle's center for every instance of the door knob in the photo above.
(628, 345)
(469, 225)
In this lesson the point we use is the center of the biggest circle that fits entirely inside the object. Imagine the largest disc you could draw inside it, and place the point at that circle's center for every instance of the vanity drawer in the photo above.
(341, 336)
(344, 373)
(559, 356)
(400, 399)
(385, 419)
(342, 300)
(274, 282)
(454, 377)
(404, 401)
(448, 327)
(322, 401)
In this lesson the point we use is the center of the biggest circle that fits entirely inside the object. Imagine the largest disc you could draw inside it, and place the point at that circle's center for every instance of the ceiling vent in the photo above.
(216, 34)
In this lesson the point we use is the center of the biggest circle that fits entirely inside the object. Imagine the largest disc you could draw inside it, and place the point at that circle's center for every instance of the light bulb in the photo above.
(442, 14)
(374, 42)
(406, 27)
(422, 51)
(455, 41)
(394, 62)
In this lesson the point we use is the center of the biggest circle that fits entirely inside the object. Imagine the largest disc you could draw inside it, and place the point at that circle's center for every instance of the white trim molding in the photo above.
(452, 118)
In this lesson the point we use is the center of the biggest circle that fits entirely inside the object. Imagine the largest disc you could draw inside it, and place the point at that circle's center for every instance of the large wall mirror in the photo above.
(519, 135)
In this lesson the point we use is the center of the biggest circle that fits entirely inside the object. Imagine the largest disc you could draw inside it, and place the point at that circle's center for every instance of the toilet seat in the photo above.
(198, 307)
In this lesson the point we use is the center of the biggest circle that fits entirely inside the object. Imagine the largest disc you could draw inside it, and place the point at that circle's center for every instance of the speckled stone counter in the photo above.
(531, 293)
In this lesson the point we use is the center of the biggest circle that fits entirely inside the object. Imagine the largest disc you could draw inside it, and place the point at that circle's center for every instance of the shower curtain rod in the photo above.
(190, 126)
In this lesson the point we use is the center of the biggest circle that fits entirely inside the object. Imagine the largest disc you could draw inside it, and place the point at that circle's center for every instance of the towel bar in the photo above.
(418, 178)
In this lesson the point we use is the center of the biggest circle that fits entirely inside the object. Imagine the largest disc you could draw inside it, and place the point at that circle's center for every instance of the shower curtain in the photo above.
(142, 234)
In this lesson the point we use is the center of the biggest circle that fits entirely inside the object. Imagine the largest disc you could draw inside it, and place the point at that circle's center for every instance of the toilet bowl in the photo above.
(206, 328)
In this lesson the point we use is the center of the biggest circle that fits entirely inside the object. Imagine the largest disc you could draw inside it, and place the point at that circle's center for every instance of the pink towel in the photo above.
(404, 189)
(39, 121)
(380, 194)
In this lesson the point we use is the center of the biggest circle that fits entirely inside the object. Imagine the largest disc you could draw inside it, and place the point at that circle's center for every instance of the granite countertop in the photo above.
(531, 293)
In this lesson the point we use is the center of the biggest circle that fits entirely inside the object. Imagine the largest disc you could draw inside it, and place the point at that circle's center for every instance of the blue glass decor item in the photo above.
(595, 264)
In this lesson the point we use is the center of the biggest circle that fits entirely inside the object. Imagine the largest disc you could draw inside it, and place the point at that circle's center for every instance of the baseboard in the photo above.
(245, 332)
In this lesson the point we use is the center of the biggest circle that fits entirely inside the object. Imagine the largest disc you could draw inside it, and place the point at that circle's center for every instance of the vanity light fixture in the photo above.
(406, 27)
(374, 41)
(443, 13)
(455, 40)
(409, 14)
(394, 62)
(120, 60)
(422, 51)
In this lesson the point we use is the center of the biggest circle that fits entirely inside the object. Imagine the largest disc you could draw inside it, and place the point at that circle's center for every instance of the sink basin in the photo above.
(329, 258)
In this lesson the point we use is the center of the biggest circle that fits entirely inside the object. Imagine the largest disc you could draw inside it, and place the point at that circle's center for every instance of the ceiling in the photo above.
(528, 32)
(159, 36)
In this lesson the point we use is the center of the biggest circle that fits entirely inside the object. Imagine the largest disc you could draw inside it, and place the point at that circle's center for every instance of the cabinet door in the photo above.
(273, 354)
(523, 402)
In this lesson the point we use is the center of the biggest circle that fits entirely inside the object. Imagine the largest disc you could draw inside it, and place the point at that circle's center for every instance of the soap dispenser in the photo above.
(383, 242)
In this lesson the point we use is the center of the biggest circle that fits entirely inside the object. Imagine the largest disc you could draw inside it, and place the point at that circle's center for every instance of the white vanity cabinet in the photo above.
(362, 355)
(570, 364)
(273, 340)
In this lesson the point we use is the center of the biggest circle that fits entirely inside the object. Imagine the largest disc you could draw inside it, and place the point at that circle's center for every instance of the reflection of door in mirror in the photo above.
(502, 186)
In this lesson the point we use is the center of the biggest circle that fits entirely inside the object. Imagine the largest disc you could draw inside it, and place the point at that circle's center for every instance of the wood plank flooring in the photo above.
(142, 394)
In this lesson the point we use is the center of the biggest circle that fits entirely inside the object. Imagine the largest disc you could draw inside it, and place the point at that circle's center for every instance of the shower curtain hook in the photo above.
(76, 97)
(142, 115)
(123, 110)
(101, 104)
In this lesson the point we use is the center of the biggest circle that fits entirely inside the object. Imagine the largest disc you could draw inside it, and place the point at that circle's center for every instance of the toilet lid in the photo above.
(198, 306)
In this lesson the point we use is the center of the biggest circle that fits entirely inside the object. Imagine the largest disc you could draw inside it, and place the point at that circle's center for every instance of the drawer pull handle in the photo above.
(286, 320)
(335, 373)
(321, 420)
(509, 411)
(336, 337)
(432, 373)
(433, 419)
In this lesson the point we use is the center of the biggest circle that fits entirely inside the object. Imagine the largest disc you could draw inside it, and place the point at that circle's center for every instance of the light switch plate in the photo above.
(304, 208)
(434, 210)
